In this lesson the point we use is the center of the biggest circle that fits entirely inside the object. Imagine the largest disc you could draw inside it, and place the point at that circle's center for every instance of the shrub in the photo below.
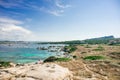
(63, 59)
(74, 57)
(53, 59)
(93, 57)
(81, 44)
(83, 52)
(87, 46)
(99, 48)
(4, 64)
(50, 59)
(70, 48)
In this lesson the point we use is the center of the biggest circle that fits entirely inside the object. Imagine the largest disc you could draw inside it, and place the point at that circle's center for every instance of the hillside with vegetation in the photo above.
(95, 62)
(111, 40)
(90, 59)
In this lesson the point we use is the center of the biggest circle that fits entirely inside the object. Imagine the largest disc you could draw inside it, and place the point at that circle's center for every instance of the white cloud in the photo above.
(9, 21)
(10, 31)
(59, 8)
(56, 12)
(59, 4)
(54, 7)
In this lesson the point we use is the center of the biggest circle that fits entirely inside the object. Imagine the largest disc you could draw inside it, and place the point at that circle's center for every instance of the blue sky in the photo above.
(58, 20)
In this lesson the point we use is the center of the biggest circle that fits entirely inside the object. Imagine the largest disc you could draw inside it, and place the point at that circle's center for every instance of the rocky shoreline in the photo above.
(87, 64)
(46, 71)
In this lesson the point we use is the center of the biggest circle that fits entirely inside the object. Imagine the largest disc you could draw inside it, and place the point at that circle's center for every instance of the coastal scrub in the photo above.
(70, 48)
(4, 64)
(53, 59)
(99, 48)
(93, 57)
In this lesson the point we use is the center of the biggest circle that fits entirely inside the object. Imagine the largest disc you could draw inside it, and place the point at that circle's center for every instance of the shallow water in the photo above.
(22, 53)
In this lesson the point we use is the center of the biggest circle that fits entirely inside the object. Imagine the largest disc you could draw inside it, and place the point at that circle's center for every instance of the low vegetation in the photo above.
(115, 55)
(87, 46)
(83, 52)
(4, 64)
(70, 48)
(99, 48)
(53, 59)
(74, 56)
(93, 57)
(63, 59)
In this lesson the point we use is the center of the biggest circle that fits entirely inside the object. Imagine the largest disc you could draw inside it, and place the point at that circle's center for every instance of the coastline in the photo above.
(22, 53)
(36, 72)
(82, 69)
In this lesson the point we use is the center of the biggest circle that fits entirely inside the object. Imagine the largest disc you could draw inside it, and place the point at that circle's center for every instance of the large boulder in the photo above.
(47, 71)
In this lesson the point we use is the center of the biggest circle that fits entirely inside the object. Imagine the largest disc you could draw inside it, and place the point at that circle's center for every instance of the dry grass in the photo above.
(103, 69)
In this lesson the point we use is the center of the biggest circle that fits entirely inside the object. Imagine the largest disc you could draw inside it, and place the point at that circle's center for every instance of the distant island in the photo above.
(100, 40)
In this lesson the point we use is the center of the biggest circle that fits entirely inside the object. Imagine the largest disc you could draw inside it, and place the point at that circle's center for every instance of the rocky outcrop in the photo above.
(47, 71)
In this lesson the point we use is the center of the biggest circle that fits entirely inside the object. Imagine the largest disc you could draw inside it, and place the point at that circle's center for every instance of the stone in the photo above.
(47, 71)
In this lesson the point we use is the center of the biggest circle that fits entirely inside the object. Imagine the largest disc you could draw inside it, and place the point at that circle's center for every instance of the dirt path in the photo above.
(93, 70)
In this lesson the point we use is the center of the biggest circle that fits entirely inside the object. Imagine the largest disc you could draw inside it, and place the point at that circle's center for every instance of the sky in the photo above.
(58, 20)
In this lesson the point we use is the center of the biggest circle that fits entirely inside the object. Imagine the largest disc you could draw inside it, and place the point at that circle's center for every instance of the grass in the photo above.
(93, 57)
(99, 48)
(63, 59)
(81, 44)
(53, 59)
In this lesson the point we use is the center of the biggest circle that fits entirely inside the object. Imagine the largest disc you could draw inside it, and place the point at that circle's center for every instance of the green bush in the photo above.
(50, 59)
(99, 48)
(53, 59)
(74, 56)
(93, 57)
(81, 44)
(70, 48)
(4, 64)
(63, 59)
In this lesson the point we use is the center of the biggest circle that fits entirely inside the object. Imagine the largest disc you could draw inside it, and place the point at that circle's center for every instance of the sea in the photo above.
(26, 52)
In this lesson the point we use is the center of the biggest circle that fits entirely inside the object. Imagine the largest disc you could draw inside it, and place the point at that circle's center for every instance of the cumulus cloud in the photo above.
(9, 30)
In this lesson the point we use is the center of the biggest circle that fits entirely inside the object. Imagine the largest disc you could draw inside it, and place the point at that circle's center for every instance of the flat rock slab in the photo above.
(47, 71)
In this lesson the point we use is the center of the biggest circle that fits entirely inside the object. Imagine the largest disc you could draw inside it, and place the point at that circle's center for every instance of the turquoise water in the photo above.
(24, 54)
